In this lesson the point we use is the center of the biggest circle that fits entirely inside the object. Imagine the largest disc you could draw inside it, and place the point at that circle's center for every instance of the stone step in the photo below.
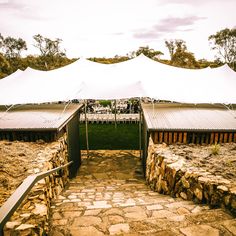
(122, 204)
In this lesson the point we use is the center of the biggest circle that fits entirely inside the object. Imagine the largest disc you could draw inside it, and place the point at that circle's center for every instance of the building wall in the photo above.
(192, 137)
(73, 145)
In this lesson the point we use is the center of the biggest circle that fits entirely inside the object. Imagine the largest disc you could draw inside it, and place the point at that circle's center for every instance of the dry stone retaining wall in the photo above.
(171, 174)
(31, 218)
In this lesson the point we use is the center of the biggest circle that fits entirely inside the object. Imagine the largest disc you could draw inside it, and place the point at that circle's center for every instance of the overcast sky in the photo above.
(116, 27)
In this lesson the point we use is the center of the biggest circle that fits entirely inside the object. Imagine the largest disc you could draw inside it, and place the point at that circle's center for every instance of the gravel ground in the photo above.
(216, 159)
(17, 161)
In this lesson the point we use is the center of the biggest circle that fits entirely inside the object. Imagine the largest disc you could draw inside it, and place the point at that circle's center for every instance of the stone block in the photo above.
(118, 229)
(200, 230)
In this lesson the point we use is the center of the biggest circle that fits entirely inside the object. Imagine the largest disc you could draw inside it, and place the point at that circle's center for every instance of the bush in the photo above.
(215, 149)
(105, 103)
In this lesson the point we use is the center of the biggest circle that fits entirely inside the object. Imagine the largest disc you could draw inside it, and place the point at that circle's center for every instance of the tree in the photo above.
(174, 45)
(149, 52)
(12, 47)
(179, 54)
(52, 55)
(4, 66)
(48, 47)
(171, 47)
(184, 59)
(224, 42)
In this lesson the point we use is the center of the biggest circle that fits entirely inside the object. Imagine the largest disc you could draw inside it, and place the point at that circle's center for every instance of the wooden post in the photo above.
(86, 127)
(230, 137)
(170, 137)
(225, 137)
(161, 137)
(216, 137)
(180, 139)
(221, 137)
(193, 138)
(166, 137)
(156, 137)
(185, 138)
(175, 137)
(115, 115)
(212, 138)
(140, 129)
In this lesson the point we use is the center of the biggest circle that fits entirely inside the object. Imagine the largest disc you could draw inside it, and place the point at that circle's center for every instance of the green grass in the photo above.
(106, 136)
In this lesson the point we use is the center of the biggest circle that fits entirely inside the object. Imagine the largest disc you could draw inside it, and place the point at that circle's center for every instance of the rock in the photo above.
(56, 216)
(183, 211)
(230, 225)
(133, 209)
(162, 214)
(40, 209)
(113, 211)
(12, 224)
(185, 182)
(140, 215)
(233, 190)
(99, 204)
(86, 221)
(154, 207)
(164, 186)
(200, 230)
(92, 212)
(184, 195)
(233, 203)
(198, 193)
(227, 200)
(115, 219)
(118, 229)
(85, 231)
(222, 188)
(25, 226)
(26, 216)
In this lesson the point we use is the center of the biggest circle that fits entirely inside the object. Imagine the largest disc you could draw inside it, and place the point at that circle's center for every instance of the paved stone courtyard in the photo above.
(109, 197)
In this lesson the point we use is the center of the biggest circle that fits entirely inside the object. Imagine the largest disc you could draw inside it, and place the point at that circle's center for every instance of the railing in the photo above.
(13, 202)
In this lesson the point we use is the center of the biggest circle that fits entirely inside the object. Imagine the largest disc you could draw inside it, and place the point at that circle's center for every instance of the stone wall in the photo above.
(31, 218)
(171, 174)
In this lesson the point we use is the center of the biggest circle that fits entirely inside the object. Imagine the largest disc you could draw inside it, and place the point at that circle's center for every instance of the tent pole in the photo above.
(140, 129)
(152, 108)
(86, 127)
(115, 115)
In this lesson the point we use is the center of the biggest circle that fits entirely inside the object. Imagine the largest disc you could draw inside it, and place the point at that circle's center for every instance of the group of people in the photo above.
(124, 107)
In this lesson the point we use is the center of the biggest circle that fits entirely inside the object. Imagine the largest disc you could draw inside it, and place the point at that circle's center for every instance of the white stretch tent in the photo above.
(138, 77)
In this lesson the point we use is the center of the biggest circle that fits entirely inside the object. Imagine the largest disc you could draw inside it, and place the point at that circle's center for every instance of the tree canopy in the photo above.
(48, 47)
(224, 43)
(148, 52)
(52, 56)
(179, 54)
(12, 47)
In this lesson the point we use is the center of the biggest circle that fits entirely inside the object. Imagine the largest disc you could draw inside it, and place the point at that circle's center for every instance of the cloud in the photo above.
(191, 2)
(168, 25)
(11, 5)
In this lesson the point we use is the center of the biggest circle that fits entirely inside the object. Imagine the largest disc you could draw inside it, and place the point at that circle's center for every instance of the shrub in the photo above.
(215, 149)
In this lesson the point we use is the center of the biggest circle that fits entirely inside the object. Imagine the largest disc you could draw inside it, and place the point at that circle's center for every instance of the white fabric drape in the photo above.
(138, 77)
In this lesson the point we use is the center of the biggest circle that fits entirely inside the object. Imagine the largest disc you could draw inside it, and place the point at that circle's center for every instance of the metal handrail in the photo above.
(13, 202)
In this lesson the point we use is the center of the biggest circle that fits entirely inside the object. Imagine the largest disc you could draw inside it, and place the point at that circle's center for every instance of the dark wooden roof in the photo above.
(37, 117)
(169, 116)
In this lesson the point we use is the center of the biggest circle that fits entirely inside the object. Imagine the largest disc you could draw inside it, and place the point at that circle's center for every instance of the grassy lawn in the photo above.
(106, 136)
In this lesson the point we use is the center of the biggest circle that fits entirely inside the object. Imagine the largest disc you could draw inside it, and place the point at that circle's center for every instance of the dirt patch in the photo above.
(218, 160)
(17, 161)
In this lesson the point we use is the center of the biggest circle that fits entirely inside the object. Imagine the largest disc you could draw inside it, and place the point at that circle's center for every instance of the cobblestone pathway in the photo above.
(109, 197)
